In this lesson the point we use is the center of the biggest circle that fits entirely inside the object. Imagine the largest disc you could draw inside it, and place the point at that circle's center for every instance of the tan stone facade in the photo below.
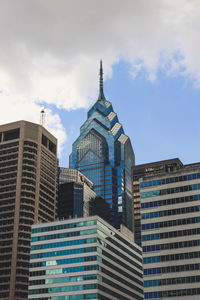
(28, 194)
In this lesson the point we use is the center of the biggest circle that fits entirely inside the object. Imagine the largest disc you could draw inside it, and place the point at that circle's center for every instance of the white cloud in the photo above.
(19, 108)
(50, 50)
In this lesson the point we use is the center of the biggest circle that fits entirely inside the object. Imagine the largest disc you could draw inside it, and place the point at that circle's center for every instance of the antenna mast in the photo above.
(42, 117)
(101, 94)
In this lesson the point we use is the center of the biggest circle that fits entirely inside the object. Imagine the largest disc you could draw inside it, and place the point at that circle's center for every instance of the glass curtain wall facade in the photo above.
(84, 258)
(104, 154)
(170, 211)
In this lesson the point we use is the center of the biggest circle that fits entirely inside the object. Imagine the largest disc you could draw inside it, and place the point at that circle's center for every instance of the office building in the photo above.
(28, 183)
(170, 210)
(73, 175)
(76, 197)
(104, 154)
(143, 171)
(84, 258)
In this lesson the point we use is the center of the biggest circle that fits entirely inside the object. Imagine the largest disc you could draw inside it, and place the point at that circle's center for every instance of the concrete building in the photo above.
(28, 191)
(143, 171)
(170, 211)
(104, 154)
(84, 258)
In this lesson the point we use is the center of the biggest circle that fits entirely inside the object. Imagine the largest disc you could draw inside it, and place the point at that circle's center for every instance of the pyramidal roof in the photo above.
(104, 108)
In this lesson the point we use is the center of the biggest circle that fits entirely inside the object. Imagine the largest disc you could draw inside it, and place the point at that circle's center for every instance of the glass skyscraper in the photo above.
(104, 154)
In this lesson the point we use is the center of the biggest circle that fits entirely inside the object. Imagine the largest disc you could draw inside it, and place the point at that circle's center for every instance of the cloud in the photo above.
(18, 108)
(50, 50)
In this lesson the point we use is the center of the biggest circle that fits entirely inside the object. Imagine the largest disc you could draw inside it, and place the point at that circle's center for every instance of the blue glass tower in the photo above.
(104, 154)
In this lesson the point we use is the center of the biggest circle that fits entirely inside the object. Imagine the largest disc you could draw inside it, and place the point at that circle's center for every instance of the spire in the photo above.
(101, 94)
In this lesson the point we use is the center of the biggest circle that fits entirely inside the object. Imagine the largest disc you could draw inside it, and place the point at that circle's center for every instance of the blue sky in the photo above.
(161, 117)
(49, 58)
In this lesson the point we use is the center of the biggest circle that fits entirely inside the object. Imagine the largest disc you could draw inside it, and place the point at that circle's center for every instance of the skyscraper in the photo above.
(144, 171)
(28, 191)
(170, 211)
(84, 258)
(104, 154)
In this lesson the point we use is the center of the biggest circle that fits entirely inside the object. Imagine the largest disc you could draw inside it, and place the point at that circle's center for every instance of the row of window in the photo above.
(7, 208)
(177, 222)
(7, 215)
(170, 180)
(172, 269)
(7, 201)
(179, 189)
(171, 212)
(63, 289)
(29, 162)
(6, 236)
(26, 214)
(30, 156)
(28, 181)
(25, 221)
(27, 201)
(63, 252)
(27, 187)
(63, 261)
(6, 243)
(7, 195)
(29, 143)
(12, 150)
(170, 281)
(27, 207)
(23, 256)
(171, 234)
(7, 176)
(65, 279)
(171, 257)
(177, 245)
(5, 250)
(6, 189)
(8, 182)
(170, 201)
(29, 149)
(172, 293)
(64, 226)
(63, 244)
(8, 169)
(63, 270)
(28, 168)
(63, 235)
(74, 297)
(8, 157)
